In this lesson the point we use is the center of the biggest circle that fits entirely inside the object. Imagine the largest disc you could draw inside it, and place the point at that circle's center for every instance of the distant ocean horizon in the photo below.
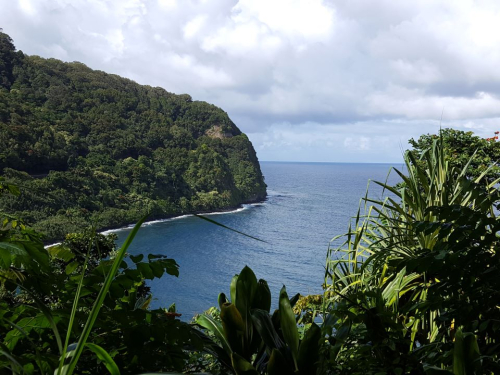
(308, 204)
(331, 162)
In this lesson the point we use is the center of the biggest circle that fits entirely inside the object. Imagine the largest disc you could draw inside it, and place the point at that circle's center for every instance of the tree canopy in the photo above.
(462, 147)
(85, 144)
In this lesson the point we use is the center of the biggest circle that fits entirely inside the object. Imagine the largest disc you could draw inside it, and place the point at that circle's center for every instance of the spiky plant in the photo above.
(376, 262)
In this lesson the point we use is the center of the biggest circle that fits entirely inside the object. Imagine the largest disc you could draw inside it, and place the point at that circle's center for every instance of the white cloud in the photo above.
(358, 143)
(308, 19)
(419, 71)
(414, 104)
(167, 4)
(304, 77)
(57, 51)
(193, 27)
(27, 7)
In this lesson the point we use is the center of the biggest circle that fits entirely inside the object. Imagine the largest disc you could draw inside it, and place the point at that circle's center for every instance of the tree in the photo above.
(460, 147)
(101, 148)
(7, 60)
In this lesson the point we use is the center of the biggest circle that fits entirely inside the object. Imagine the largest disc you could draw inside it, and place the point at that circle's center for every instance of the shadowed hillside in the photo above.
(91, 147)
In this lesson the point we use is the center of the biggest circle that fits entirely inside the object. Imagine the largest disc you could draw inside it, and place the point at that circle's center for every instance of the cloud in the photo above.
(298, 75)
(358, 143)
(413, 103)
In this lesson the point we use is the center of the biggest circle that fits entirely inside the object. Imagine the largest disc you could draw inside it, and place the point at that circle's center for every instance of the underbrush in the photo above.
(413, 289)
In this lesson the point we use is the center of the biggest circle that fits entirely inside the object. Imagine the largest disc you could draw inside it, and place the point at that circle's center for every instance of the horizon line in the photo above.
(330, 162)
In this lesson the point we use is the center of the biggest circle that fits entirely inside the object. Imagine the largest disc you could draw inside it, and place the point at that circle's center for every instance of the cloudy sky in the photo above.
(307, 80)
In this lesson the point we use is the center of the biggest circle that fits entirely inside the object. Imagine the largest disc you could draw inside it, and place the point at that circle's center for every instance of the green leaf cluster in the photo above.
(82, 307)
(249, 340)
(412, 289)
(463, 147)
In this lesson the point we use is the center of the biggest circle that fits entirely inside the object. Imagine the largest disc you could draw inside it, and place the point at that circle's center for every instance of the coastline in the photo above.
(234, 209)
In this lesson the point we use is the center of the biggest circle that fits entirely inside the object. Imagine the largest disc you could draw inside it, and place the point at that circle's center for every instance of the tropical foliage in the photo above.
(412, 288)
(249, 340)
(86, 146)
(67, 309)
(463, 148)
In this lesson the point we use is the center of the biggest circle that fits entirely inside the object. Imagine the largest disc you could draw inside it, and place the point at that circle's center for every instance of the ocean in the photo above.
(307, 205)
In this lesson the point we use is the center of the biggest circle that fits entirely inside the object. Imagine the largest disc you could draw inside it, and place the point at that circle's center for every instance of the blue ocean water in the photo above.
(308, 204)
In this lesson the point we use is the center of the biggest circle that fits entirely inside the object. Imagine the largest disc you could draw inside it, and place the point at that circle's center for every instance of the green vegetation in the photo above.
(414, 289)
(64, 310)
(461, 148)
(251, 340)
(86, 146)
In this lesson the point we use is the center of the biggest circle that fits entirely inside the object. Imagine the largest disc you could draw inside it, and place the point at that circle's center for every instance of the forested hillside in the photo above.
(87, 147)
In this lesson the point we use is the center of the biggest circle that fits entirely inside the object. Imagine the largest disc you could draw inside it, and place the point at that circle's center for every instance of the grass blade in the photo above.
(100, 299)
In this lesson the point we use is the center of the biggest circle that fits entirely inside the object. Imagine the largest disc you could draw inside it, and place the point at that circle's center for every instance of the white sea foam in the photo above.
(224, 212)
(274, 193)
(152, 222)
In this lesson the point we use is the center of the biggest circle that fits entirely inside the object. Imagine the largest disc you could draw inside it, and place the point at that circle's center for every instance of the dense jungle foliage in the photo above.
(87, 146)
(413, 289)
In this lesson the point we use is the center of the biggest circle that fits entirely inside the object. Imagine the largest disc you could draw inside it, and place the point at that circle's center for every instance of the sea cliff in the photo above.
(87, 147)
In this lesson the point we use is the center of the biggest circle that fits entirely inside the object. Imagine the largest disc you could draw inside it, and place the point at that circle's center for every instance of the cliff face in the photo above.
(86, 145)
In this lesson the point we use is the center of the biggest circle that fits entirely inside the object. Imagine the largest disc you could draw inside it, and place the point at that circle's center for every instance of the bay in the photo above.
(307, 205)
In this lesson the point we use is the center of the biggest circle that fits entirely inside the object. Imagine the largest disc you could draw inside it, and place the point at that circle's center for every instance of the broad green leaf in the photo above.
(5, 258)
(264, 325)
(215, 327)
(38, 253)
(70, 268)
(60, 252)
(137, 258)
(234, 327)
(171, 266)
(246, 286)
(104, 356)
(157, 268)
(24, 327)
(465, 354)
(294, 300)
(262, 299)
(145, 270)
(14, 248)
(458, 354)
(308, 356)
(232, 288)
(242, 366)
(231, 316)
(289, 325)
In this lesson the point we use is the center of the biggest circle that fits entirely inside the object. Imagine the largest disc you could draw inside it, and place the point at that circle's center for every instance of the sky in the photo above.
(306, 80)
